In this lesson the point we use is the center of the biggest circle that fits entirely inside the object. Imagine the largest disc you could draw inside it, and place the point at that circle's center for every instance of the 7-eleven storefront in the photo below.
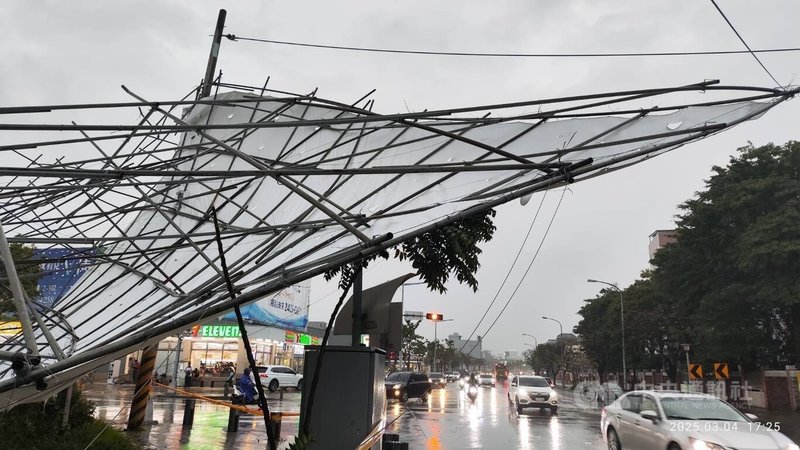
(215, 344)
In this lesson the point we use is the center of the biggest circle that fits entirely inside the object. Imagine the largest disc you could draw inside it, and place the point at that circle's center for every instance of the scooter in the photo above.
(238, 398)
(472, 392)
(461, 384)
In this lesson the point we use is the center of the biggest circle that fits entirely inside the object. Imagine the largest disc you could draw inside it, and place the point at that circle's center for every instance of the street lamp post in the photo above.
(560, 338)
(622, 327)
(535, 342)
(686, 348)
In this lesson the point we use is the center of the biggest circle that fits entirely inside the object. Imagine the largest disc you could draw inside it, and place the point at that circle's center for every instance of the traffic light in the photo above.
(434, 316)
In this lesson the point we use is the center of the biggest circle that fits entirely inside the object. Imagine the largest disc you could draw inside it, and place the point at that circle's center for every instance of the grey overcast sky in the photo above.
(82, 51)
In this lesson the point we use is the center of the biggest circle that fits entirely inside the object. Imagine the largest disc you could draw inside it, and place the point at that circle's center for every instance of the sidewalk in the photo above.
(209, 430)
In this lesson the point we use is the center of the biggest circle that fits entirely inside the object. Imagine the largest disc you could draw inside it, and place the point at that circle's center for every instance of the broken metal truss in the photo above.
(300, 185)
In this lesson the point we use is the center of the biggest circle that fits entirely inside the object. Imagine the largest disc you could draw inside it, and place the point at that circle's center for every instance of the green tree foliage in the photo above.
(449, 250)
(740, 255)
(411, 341)
(38, 426)
(729, 286)
(28, 271)
(544, 358)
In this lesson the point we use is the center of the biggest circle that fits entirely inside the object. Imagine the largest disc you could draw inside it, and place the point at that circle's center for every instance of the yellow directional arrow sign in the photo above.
(695, 371)
(721, 371)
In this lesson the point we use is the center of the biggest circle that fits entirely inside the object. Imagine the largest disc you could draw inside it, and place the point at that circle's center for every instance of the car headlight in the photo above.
(698, 444)
(397, 386)
(553, 395)
(430, 380)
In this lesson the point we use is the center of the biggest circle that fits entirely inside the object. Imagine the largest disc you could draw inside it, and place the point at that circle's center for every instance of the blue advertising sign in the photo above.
(61, 269)
(286, 309)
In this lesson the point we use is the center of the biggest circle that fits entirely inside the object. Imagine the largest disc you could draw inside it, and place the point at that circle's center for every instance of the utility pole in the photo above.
(561, 339)
(205, 88)
(357, 308)
(621, 325)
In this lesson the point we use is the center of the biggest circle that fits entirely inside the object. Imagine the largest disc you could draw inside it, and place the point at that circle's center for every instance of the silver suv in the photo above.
(677, 420)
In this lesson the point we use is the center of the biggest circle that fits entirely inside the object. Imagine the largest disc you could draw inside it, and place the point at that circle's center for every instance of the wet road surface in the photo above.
(447, 420)
(450, 420)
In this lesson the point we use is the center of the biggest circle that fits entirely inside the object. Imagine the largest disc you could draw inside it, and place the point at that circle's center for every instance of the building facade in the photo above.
(660, 238)
(469, 347)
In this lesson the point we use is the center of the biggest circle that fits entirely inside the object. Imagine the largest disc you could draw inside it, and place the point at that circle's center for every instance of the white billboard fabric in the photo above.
(287, 308)
(299, 185)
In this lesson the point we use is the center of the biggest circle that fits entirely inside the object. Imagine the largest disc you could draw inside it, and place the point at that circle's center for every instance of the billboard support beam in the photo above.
(19, 296)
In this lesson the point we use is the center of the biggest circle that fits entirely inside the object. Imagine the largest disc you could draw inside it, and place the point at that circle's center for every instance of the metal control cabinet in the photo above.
(350, 398)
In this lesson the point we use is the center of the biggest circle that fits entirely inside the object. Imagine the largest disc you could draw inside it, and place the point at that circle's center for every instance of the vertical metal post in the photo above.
(67, 406)
(357, 308)
(19, 296)
(213, 55)
(622, 327)
(435, 343)
(688, 374)
(177, 361)
(188, 413)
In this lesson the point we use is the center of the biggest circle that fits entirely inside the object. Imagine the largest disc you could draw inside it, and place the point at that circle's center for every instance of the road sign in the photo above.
(695, 371)
(721, 371)
(413, 315)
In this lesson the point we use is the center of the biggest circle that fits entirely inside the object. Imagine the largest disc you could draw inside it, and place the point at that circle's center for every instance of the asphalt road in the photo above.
(450, 420)
(447, 420)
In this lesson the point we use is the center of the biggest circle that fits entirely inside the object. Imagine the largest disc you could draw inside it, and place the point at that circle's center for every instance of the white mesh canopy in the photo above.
(299, 185)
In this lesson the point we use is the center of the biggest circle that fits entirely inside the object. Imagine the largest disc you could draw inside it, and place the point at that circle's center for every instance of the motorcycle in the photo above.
(472, 392)
(238, 398)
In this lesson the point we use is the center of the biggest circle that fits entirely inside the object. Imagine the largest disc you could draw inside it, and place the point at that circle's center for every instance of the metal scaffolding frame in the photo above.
(299, 185)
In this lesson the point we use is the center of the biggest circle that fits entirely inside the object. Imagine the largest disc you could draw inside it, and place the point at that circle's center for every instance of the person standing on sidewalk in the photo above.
(135, 370)
(187, 376)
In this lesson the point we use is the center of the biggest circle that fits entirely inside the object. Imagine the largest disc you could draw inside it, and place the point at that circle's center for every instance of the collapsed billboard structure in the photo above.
(300, 185)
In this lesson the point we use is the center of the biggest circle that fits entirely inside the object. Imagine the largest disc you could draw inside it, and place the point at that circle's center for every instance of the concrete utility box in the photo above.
(351, 396)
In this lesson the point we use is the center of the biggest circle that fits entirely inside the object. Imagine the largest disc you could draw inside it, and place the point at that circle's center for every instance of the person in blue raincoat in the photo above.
(247, 387)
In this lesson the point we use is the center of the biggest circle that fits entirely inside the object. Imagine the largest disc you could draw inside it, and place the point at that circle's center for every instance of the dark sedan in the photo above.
(405, 385)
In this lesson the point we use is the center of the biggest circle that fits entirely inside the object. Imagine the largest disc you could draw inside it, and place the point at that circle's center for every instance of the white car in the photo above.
(679, 421)
(486, 379)
(276, 377)
(532, 391)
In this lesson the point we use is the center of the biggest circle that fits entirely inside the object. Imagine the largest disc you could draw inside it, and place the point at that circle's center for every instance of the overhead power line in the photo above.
(233, 37)
(745, 43)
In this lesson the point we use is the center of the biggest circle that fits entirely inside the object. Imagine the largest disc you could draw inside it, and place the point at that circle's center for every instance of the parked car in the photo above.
(676, 420)
(405, 385)
(486, 379)
(437, 379)
(276, 377)
(532, 391)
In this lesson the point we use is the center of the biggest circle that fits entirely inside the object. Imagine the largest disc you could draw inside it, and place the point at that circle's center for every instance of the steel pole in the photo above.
(622, 327)
(357, 309)
(18, 294)
(213, 55)
(177, 361)
(435, 323)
